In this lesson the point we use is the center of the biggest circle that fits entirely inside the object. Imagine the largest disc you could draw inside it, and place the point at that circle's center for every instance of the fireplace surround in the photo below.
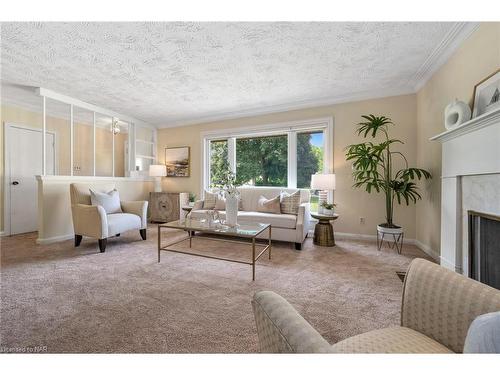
(470, 181)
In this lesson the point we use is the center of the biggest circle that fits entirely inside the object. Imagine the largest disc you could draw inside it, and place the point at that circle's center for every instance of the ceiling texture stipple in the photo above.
(181, 73)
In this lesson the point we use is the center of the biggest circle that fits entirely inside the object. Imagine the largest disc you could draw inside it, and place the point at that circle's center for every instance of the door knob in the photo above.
(15, 183)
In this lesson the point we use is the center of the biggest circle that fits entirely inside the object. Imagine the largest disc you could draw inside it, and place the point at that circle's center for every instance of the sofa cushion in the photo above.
(484, 334)
(119, 223)
(290, 203)
(110, 200)
(269, 205)
(250, 195)
(276, 220)
(80, 193)
(220, 204)
(210, 200)
(390, 340)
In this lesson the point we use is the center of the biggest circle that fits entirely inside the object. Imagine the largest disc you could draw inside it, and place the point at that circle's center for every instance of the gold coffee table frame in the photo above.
(244, 231)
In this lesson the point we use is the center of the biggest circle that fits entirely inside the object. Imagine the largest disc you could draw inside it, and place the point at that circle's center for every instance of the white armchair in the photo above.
(93, 221)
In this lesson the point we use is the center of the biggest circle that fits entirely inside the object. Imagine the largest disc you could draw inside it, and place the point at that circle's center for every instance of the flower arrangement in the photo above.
(228, 184)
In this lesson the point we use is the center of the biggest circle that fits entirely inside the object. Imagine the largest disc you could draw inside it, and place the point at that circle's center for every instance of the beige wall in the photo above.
(418, 117)
(54, 206)
(478, 57)
(82, 153)
(352, 204)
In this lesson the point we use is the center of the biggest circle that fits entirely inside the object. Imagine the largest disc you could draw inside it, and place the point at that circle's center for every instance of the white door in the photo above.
(25, 149)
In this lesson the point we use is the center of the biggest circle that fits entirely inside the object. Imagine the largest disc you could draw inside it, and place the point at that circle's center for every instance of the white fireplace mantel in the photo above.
(468, 150)
(476, 123)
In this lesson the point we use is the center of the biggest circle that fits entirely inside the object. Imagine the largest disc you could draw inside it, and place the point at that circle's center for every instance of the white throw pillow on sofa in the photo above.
(109, 201)
(271, 206)
(220, 204)
(210, 200)
(290, 203)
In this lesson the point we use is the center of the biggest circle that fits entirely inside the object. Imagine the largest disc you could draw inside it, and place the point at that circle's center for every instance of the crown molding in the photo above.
(440, 55)
(459, 32)
(365, 95)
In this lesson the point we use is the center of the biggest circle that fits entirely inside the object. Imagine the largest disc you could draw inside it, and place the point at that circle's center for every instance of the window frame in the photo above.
(289, 128)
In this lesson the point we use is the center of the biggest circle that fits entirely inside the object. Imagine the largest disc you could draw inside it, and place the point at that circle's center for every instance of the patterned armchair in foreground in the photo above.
(438, 309)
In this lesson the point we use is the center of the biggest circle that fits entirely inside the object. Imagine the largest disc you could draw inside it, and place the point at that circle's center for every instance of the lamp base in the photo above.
(323, 197)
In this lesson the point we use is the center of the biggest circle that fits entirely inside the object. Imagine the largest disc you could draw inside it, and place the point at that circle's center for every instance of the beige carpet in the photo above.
(78, 300)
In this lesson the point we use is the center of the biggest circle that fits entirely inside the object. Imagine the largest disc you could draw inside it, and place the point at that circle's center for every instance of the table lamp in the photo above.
(157, 171)
(324, 183)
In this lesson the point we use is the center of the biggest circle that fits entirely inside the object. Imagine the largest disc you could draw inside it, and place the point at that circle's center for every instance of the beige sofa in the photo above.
(437, 310)
(92, 221)
(289, 228)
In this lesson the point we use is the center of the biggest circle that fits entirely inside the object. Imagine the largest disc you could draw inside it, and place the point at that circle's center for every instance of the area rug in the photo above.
(59, 299)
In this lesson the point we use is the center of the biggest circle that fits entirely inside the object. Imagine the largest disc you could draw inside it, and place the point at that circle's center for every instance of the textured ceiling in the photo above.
(172, 73)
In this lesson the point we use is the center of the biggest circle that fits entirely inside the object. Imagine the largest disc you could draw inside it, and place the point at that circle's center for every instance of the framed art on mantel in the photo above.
(178, 161)
(487, 95)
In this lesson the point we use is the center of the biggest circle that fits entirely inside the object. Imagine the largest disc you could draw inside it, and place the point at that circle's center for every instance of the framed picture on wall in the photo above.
(178, 161)
(487, 95)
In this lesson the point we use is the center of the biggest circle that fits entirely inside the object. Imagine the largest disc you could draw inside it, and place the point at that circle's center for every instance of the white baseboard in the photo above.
(428, 250)
(373, 237)
(356, 236)
(2, 233)
(46, 241)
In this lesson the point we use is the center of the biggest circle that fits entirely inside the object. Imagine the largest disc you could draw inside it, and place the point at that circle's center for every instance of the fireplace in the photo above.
(484, 248)
(470, 180)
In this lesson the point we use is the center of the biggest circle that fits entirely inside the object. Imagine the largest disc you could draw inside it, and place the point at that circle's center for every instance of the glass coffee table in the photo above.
(243, 233)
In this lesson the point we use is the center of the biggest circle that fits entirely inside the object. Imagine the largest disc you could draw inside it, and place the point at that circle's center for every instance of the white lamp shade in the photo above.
(323, 181)
(157, 170)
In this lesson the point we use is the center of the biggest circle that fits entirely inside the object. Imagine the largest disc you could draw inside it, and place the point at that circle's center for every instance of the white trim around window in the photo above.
(290, 128)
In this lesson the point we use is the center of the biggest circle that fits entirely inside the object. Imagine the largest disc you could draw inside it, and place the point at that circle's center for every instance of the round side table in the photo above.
(323, 231)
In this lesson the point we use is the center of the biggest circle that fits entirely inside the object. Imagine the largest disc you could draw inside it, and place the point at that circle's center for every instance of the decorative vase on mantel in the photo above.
(455, 114)
(231, 209)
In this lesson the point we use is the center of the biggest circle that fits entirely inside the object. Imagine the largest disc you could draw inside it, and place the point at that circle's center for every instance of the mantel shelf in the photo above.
(476, 123)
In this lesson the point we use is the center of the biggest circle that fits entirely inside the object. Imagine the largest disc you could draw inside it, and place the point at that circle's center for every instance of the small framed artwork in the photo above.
(178, 161)
(487, 95)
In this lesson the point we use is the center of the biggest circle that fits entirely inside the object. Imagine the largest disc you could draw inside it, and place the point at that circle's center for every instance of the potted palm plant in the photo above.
(374, 169)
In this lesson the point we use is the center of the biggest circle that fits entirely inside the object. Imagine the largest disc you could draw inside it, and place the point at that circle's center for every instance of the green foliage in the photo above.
(219, 162)
(263, 161)
(228, 183)
(373, 166)
(309, 160)
(328, 206)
